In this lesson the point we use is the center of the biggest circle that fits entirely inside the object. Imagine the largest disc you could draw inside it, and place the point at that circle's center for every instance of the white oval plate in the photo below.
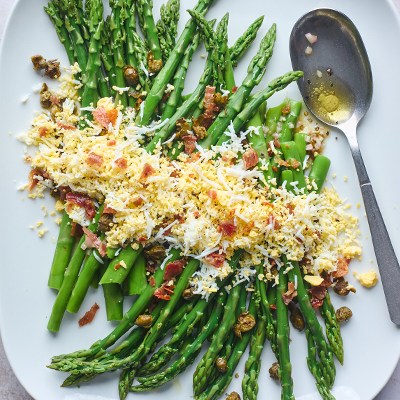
(372, 342)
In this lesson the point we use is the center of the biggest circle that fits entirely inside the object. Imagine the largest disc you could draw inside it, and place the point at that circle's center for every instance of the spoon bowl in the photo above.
(337, 89)
(338, 64)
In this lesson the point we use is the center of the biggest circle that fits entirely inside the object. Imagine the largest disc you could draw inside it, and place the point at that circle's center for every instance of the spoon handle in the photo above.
(388, 264)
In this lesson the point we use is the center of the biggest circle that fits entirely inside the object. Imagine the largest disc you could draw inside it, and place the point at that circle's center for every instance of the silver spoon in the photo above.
(340, 98)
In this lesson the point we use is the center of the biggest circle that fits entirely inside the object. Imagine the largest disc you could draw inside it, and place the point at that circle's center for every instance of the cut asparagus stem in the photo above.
(113, 298)
(70, 276)
(62, 253)
(127, 322)
(283, 333)
(120, 266)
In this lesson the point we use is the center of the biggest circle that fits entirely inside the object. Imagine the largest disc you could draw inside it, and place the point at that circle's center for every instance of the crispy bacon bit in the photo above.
(277, 143)
(208, 106)
(282, 162)
(63, 191)
(295, 164)
(274, 168)
(148, 170)
(94, 159)
(142, 239)
(54, 99)
(250, 159)
(273, 306)
(179, 218)
(326, 283)
(151, 266)
(117, 266)
(89, 315)
(290, 208)
(138, 201)
(112, 115)
(109, 210)
(267, 203)
(234, 89)
(286, 109)
(165, 97)
(196, 214)
(112, 142)
(66, 126)
(84, 201)
(164, 291)
(34, 181)
(43, 131)
(152, 281)
(76, 230)
(315, 302)
(272, 220)
(190, 143)
(342, 267)
(318, 291)
(227, 228)
(100, 245)
(290, 294)
(105, 117)
(121, 163)
(216, 259)
(212, 194)
(249, 226)
(193, 157)
(173, 269)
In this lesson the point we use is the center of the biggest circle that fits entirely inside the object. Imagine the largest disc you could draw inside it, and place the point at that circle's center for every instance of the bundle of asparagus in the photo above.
(111, 59)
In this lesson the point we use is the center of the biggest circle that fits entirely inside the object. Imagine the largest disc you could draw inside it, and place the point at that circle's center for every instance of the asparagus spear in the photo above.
(244, 42)
(70, 276)
(290, 122)
(76, 366)
(62, 253)
(255, 72)
(127, 322)
(120, 266)
(274, 86)
(148, 27)
(179, 79)
(283, 332)
(189, 355)
(117, 43)
(253, 363)
(160, 358)
(70, 14)
(204, 368)
(136, 280)
(218, 388)
(128, 374)
(165, 75)
(85, 277)
(167, 27)
(61, 30)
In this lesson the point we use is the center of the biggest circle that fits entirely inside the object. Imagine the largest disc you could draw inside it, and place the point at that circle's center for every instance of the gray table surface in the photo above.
(11, 389)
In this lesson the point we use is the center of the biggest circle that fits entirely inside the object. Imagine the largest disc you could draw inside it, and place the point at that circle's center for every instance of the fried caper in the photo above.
(296, 317)
(274, 371)
(233, 396)
(144, 321)
(341, 287)
(221, 364)
(343, 314)
(131, 75)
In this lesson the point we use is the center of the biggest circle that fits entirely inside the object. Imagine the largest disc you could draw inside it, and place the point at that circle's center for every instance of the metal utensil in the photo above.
(337, 88)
